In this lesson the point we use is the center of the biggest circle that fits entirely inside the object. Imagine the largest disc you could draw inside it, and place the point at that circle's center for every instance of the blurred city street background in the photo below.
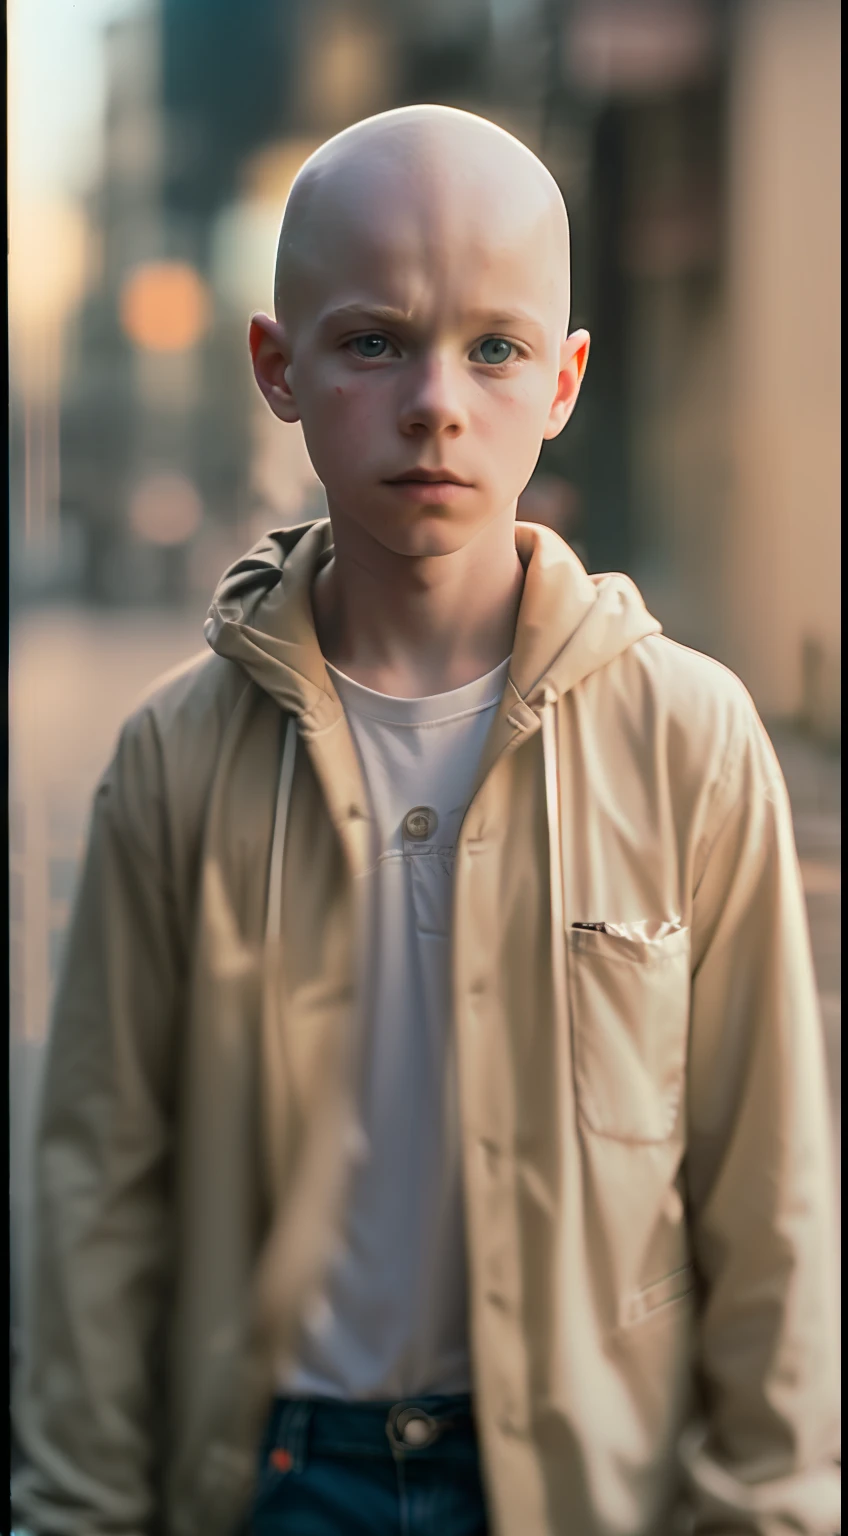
(151, 147)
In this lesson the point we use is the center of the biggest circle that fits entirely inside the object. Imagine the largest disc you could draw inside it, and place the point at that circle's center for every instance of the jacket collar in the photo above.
(569, 623)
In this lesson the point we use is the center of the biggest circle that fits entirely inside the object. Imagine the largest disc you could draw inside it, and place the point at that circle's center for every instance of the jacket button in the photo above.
(420, 823)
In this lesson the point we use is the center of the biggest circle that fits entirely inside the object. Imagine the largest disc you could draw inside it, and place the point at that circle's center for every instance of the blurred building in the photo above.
(696, 143)
(154, 424)
(781, 550)
(708, 250)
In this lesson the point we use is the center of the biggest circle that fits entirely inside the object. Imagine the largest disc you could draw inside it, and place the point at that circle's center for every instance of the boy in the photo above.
(447, 910)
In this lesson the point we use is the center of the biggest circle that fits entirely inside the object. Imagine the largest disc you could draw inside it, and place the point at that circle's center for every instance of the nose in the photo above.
(433, 405)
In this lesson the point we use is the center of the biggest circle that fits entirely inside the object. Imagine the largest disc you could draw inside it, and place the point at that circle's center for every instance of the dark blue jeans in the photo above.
(408, 1468)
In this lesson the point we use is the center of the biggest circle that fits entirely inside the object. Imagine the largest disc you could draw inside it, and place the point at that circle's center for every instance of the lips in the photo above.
(427, 477)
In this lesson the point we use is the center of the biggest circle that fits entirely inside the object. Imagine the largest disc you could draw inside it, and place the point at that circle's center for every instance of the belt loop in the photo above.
(299, 1435)
(293, 1432)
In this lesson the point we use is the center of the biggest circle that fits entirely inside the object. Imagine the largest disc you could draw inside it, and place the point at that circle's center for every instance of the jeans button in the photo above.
(417, 1432)
(413, 1428)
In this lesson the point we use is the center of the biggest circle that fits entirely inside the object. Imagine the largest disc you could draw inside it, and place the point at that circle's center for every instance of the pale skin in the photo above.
(421, 331)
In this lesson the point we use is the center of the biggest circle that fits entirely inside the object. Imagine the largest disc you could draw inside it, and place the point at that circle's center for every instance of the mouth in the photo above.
(427, 477)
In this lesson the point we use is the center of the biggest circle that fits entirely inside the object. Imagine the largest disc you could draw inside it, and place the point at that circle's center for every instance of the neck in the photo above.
(418, 625)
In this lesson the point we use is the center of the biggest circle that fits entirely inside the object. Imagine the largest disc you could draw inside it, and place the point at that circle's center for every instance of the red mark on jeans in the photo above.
(281, 1460)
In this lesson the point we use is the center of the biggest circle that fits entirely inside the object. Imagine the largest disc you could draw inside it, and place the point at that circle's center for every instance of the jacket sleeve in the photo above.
(87, 1399)
(760, 1174)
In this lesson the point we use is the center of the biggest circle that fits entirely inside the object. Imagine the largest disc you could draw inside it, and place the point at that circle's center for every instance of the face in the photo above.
(425, 354)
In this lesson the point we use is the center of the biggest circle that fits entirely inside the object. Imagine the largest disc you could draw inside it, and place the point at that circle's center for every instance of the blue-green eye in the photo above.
(370, 345)
(495, 350)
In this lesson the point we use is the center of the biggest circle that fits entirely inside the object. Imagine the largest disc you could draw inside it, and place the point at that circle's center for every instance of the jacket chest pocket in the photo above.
(630, 989)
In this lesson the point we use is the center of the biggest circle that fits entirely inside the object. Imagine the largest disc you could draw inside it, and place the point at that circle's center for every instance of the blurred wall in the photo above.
(781, 362)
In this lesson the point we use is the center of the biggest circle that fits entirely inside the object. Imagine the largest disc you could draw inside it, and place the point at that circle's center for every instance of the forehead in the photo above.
(430, 245)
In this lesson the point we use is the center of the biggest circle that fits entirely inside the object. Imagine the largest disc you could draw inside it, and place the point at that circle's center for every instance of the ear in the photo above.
(574, 354)
(271, 354)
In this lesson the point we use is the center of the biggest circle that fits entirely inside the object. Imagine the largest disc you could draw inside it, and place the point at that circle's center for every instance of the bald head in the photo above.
(422, 179)
(422, 325)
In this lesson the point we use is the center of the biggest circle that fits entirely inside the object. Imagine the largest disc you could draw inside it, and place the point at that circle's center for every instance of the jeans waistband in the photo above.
(428, 1427)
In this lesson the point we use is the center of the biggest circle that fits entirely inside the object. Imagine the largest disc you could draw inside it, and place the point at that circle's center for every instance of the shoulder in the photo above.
(184, 710)
(698, 698)
(200, 693)
(697, 722)
(153, 796)
(169, 744)
(684, 678)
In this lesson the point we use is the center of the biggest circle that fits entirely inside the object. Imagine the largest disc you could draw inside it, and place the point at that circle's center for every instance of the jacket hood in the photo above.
(569, 623)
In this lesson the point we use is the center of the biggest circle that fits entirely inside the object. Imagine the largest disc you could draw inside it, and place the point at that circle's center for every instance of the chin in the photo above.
(423, 533)
(429, 536)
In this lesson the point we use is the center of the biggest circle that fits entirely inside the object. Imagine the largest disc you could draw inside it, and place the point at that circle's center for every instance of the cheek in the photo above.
(512, 416)
(509, 429)
(359, 410)
(341, 421)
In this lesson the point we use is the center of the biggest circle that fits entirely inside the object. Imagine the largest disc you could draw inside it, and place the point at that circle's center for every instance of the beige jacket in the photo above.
(644, 1125)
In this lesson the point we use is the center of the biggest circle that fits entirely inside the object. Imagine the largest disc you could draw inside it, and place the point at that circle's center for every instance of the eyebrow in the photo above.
(379, 314)
(496, 319)
(386, 315)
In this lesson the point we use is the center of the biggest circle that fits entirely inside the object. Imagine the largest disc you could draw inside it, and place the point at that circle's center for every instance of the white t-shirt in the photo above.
(393, 1321)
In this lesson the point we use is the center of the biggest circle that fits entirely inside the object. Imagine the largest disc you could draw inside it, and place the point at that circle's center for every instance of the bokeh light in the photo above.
(165, 306)
(49, 256)
(165, 509)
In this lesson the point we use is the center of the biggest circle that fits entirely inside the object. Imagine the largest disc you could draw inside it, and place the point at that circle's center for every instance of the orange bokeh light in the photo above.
(165, 306)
